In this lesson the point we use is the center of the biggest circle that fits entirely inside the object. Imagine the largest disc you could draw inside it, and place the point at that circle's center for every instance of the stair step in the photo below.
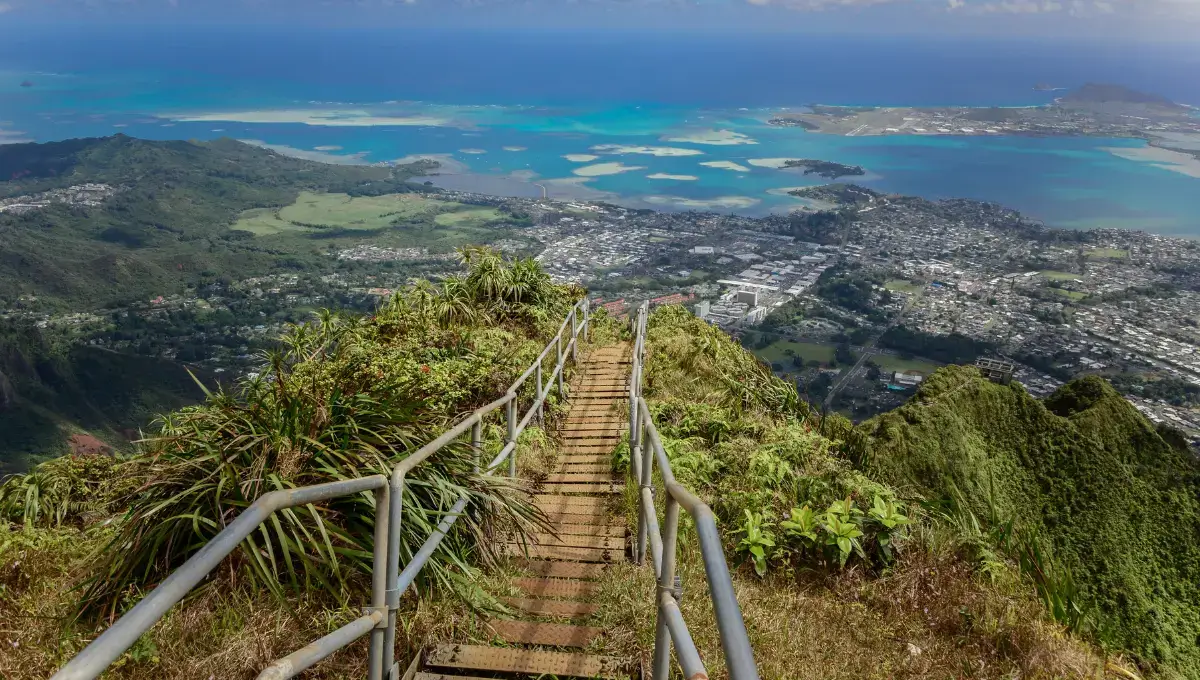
(579, 541)
(566, 609)
(542, 633)
(528, 661)
(588, 458)
(599, 528)
(573, 477)
(556, 587)
(570, 517)
(425, 675)
(561, 569)
(581, 488)
(559, 552)
(561, 503)
(586, 467)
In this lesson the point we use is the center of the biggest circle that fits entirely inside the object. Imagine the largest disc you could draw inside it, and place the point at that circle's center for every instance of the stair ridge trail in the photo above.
(549, 625)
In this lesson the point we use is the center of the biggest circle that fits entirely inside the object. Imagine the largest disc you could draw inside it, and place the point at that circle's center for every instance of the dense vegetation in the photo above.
(51, 389)
(342, 398)
(839, 574)
(1114, 503)
(169, 222)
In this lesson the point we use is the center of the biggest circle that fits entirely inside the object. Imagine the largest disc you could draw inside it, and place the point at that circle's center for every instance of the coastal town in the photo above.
(855, 303)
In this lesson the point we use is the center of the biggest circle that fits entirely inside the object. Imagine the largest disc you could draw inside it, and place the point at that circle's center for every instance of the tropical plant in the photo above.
(757, 540)
(886, 514)
(59, 491)
(341, 399)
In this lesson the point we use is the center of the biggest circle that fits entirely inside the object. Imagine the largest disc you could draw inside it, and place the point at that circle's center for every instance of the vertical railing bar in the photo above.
(666, 585)
(376, 659)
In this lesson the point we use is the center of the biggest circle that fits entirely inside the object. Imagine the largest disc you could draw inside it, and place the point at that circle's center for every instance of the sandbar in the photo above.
(724, 202)
(601, 169)
(325, 117)
(580, 157)
(472, 151)
(725, 165)
(359, 158)
(514, 148)
(679, 178)
(665, 151)
(330, 147)
(774, 163)
(1175, 161)
(712, 138)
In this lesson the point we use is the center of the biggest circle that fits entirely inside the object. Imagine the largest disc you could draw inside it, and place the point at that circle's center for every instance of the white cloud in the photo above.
(6, 7)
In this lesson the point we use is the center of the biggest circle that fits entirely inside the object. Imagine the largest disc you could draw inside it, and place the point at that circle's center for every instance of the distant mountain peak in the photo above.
(1106, 93)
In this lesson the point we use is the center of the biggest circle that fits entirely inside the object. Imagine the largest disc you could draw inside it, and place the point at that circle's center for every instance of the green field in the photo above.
(360, 213)
(890, 363)
(902, 286)
(471, 217)
(1073, 295)
(1060, 276)
(1107, 254)
(774, 352)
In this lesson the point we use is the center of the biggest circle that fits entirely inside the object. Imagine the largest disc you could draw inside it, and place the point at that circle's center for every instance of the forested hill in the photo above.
(1116, 502)
(161, 218)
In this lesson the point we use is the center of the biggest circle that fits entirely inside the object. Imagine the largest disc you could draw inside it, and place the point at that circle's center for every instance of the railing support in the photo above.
(537, 376)
(666, 584)
(477, 442)
(377, 661)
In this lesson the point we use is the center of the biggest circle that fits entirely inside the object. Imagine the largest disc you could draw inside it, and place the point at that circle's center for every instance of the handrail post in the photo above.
(562, 368)
(538, 379)
(477, 440)
(395, 511)
(512, 435)
(377, 663)
(666, 584)
(587, 316)
(575, 334)
(635, 452)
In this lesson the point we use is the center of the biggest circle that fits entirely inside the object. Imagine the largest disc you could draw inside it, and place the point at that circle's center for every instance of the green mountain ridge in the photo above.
(1118, 503)
(168, 223)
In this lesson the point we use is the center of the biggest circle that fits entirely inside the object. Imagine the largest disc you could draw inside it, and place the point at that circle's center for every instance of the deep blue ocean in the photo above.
(509, 107)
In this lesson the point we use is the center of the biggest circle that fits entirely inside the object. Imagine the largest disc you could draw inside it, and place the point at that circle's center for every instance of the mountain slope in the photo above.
(167, 219)
(1118, 504)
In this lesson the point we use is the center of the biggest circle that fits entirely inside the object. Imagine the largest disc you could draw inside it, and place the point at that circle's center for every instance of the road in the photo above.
(867, 351)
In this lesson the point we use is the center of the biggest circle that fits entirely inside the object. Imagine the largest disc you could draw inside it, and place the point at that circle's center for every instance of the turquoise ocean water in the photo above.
(515, 121)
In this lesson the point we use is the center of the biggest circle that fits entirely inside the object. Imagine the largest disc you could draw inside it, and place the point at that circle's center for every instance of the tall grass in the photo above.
(340, 398)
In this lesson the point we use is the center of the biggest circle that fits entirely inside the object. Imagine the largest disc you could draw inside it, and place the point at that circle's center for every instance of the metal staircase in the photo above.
(559, 569)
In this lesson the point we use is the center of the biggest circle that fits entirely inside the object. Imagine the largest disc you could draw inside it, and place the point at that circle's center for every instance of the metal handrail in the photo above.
(646, 449)
(380, 618)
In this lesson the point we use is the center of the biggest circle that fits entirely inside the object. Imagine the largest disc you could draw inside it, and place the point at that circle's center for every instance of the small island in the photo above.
(27, 83)
(826, 169)
(837, 194)
(784, 121)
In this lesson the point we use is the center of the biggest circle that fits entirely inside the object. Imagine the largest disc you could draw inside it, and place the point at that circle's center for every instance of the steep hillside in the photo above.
(1117, 504)
(165, 216)
(49, 393)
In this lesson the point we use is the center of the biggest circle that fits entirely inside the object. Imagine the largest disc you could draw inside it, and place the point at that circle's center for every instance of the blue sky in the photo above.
(1141, 20)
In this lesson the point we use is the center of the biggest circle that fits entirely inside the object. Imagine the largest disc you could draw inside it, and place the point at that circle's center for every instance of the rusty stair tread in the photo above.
(544, 633)
(561, 552)
(551, 569)
(578, 541)
(572, 476)
(556, 500)
(567, 609)
(528, 661)
(599, 527)
(586, 458)
(426, 675)
(586, 467)
(567, 518)
(542, 587)
(581, 488)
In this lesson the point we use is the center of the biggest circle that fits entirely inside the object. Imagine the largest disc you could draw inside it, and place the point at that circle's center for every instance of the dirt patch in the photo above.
(87, 445)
